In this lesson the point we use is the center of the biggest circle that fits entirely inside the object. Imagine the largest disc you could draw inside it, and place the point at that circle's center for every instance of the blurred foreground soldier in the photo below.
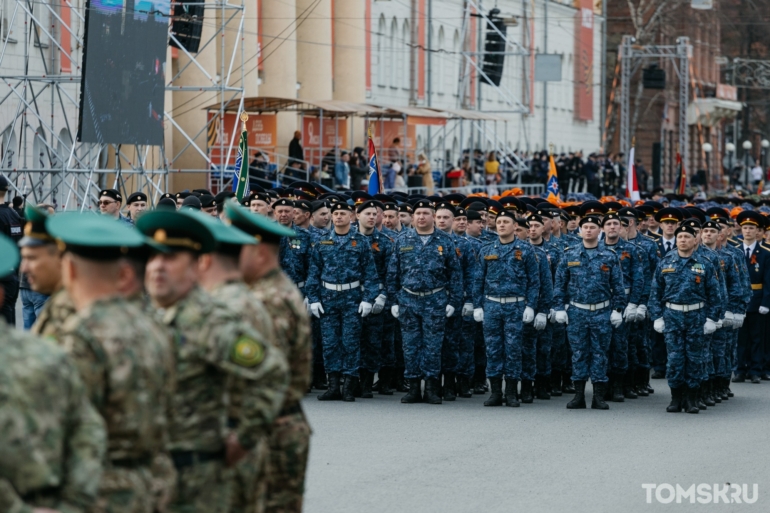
(214, 348)
(506, 295)
(683, 301)
(425, 282)
(290, 438)
(589, 282)
(110, 201)
(136, 203)
(52, 440)
(11, 227)
(125, 362)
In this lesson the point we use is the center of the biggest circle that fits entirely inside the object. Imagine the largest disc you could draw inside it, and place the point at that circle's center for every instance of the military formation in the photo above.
(167, 367)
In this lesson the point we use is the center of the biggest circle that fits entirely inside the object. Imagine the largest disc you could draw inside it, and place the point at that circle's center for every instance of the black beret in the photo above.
(284, 202)
(223, 196)
(136, 196)
(111, 193)
(460, 212)
(166, 204)
(369, 204)
(390, 206)
(612, 216)
(591, 218)
(207, 201)
(424, 203)
(711, 224)
(445, 205)
(405, 208)
(303, 204)
(535, 217)
(691, 227)
(523, 222)
(318, 205)
(507, 213)
(191, 202)
(341, 206)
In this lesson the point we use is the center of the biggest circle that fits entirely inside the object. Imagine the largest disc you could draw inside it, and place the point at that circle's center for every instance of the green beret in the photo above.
(35, 232)
(9, 256)
(256, 225)
(177, 231)
(93, 237)
(228, 238)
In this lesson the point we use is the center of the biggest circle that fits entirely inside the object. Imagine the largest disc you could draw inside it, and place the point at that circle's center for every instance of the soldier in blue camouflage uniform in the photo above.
(472, 351)
(294, 251)
(342, 287)
(684, 301)
(506, 296)
(425, 280)
(634, 288)
(319, 219)
(589, 282)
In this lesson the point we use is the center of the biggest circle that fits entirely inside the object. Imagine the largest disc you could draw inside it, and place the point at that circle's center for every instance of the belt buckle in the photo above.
(592, 307)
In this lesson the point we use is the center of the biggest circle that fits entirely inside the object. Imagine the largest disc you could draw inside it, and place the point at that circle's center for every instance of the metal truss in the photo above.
(751, 73)
(39, 110)
(632, 57)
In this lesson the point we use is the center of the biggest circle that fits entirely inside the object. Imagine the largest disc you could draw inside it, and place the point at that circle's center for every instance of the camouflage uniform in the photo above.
(52, 440)
(294, 253)
(127, 367)
(57, 309)
(214, 346)
(373, 333)
(290, 439)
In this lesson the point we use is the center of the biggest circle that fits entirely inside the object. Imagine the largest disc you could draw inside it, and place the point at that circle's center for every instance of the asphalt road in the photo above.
(379, 455)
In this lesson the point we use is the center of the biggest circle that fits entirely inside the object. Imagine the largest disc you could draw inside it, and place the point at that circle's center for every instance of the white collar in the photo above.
(753, 245)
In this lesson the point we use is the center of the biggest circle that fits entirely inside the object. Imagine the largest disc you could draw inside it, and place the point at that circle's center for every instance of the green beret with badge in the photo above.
(256, 225)
(177, 231)
(93, 237)
(229, 240)
(9, 256)
(35, 232)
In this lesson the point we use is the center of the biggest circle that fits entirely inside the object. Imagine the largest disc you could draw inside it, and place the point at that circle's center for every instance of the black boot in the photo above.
(628, 386)
(659, 374)
(597, 402)
(367, 379)
(479, 381)
(740, 377)
(401, 383)
(415, 394)
(715, 392)
(724, 384)
(463, 385)
(541, 388)
(642, 375)
(511, 393)
(676, 401)
(386, 376)
(727, 388)
(319, 379)
(496, 397)
(616, 385)
(691, 404)
(699, 399)
(333, 392)
(450, 389)
(348, 389)
(567, 386)
(431, 391)
(526, 391)
(579, 401)
(556, 384)
(706, 394)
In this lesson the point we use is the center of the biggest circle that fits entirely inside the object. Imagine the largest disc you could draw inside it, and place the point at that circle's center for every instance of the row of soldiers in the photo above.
(470, 289)
(164, 373)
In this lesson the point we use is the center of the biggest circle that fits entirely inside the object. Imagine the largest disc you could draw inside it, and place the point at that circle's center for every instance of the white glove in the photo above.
(541, 320)
(316, 309)
(306, 302)
(738, 322)
(729, 320)
(561, 317)
(467, 309)
(641, 313)
(379, 304)
(763, 310)
(478, 314)
(365, 308)
(659, 325)
(394, 311)
(450, 310)
(529, 315)
(616, 318)
(552, 316)
(709, 327)
(630, 314)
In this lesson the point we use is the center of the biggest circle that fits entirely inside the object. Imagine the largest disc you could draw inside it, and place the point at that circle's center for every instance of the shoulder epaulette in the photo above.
(762, 245)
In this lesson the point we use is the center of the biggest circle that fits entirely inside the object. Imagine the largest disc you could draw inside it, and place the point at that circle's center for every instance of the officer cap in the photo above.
(305, 188)
(507, 213)
(405, 208)
(303, 196)
(669, 214)
(4, 185)
(166, 204)
(136, 196)
(697, 213)
(592, 208)
(183, 194)
(318, 205)
(657, 207)
(303, 204)
(445, 205)
(177, 231)
(512, 203)
(591, 218)
(751, 217)
(711, 224)
(690, 226)
(495, 207)
(283, 202)
(191, 202)
(360, 197)
(207, 201)
(201, 192)
(223, 196)
(341, 206)
(460, 212)
(455, 199)
(646, 211)
(523, 222)
(717, 213)
(9, 256)
(476, 206)
(390, 206)
(536, 218)
(572, 211)
(384, 198)
(369, 204)
(112, 194)
(35, 231)
(424, 203)
(93, 237)
(613, 207)
(228, 238)
(256, 225)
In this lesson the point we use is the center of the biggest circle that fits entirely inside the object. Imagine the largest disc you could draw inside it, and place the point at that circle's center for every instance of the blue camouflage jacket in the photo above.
(382, 248)
(545, 301)
(589, 276)
(294, 255)
(508, 270)
(633, 274)
(685, 281)
(467, 257)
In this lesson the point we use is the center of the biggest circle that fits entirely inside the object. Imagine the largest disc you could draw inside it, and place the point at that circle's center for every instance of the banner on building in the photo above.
(584, 61)
(262, 134)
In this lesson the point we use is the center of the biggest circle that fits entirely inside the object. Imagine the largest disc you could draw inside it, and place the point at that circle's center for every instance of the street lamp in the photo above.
(765, 144)
(746, 172)
(707, 149)
(728, 161)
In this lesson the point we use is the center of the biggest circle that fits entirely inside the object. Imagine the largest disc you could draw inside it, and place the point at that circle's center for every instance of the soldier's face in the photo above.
(612, 229)
(259, 207)
(685, 242)
(572, 225)
(547, 225)
(505, 227)
(109, 206)
(170, 277)
(300, 216)
(423, 218)
(341, 218)
(406, 218)
(709, 236)
(321, 217)
(444, 220)
(484, 216)
(475, 227)
(521, 232)
(750, 232)
(668, 228)
(491, 221)
(42, 265)
(136, 208)
(390, 219)
(536, 230)
(460, 224)
(590, 232)
(284, 214)
(368, 218)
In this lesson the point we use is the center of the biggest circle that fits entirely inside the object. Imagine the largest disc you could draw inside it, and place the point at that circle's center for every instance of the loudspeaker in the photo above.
(187, 26)
(654, 77)
(494, 48)
(656, 164)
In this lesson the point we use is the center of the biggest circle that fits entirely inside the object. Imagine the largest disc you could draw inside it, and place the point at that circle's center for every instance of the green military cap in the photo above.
(93, 237)
(228, 238)
(259, 226)
(177, 231)
(9, 256)
(35, 232)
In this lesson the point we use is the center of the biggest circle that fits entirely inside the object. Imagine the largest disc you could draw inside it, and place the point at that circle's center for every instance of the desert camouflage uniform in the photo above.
(52, 440)
(51, 319)
(213, 347)
(127, 366)
(290, 439)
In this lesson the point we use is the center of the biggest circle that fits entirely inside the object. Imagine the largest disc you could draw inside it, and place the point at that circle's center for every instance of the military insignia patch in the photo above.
(698, 268)
(441, 250)
(605, 268)
(248, 352)
(354, 244)
(459, 253)
(624, 255)
(327, 242)
(573, 264)
(376, 246)
(490, 257)
(407, 248)
(517, 254)
(697, 279)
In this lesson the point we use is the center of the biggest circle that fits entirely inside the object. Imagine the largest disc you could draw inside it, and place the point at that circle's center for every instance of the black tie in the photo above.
(748, 253)
(668, 246)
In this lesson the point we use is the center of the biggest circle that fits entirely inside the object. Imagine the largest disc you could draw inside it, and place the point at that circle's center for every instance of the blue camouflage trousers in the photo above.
(720, 341)
(389, 327)
(707, 358)
(465, 349)
(638, 357)
(590, 334)
(341, 331)
(318, 349)
(423, 320)
(618, 353)
(684, 345)
(450, 351)
(544, 344)
(372, 333)
(559, 348)
(503, 334)
(528, 352)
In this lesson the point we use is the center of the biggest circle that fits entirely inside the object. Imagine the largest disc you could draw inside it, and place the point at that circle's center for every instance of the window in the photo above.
(441, 58)
(391, 54)
(457, 59)
(381, 52)
(404, 55)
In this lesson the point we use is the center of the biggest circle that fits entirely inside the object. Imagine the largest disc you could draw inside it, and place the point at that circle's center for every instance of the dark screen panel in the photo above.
(122, 88)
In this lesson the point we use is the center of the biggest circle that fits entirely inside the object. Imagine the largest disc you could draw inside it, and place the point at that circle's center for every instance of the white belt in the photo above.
(300, 284)
(596, 306)
(505, 300)
(422, 294)
(344, 286)
(627, 291)
(685, 308)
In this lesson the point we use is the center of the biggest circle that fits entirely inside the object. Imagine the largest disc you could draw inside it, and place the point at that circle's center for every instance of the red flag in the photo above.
(682, 174)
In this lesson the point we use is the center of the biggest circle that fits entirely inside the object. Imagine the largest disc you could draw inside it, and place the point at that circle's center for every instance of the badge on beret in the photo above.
(248, 352)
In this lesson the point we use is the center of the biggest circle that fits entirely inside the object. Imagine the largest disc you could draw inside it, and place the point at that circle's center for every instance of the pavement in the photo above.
(378, 455)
